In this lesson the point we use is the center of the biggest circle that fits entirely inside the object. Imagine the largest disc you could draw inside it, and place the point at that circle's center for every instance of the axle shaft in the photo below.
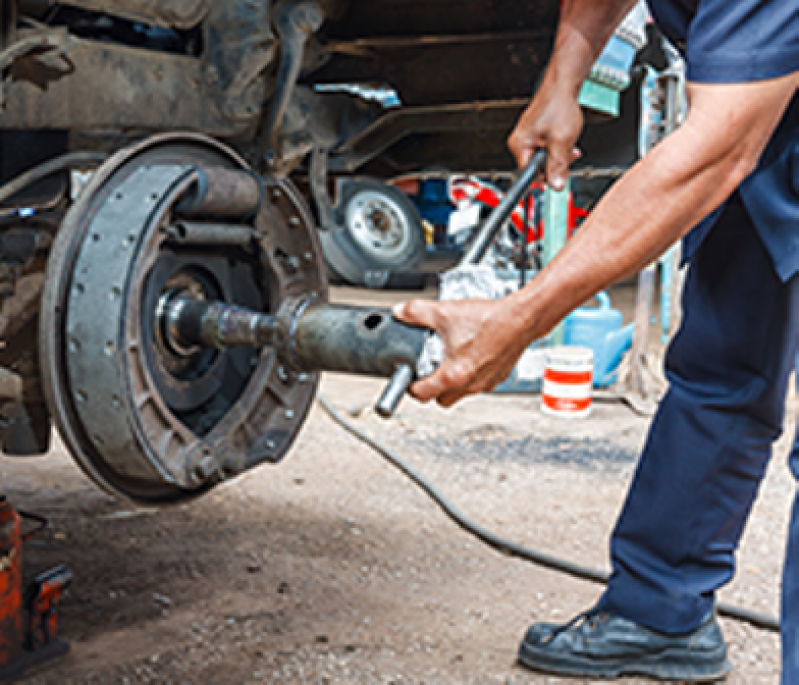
(308, 334)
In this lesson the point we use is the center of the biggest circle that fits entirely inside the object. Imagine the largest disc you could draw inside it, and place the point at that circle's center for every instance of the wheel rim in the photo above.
(379, 225)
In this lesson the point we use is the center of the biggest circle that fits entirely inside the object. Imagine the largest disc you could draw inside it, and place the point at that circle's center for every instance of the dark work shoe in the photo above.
(601, 645)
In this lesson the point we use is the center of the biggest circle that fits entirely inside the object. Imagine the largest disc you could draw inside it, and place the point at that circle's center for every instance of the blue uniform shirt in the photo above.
(737, 41)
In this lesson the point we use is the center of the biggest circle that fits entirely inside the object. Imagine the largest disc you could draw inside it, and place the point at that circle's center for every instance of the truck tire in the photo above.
(380, 233)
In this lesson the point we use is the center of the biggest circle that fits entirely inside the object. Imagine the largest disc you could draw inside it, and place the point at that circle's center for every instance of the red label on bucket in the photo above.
(567, 377)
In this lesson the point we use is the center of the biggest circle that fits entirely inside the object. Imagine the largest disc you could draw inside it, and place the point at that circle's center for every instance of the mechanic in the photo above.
(731, 172)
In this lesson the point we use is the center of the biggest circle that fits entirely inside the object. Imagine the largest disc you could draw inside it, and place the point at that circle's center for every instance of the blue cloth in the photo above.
(737, 41)
(709, 445)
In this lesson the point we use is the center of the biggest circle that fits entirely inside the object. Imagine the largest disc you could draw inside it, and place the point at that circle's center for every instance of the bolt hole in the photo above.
(373, 321)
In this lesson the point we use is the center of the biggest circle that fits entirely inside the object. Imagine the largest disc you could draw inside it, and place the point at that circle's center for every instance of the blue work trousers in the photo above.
(710, 442)
(790, 588)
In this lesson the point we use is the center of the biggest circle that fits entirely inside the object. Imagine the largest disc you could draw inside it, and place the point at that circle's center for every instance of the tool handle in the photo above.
(399, 384)
(487, 233)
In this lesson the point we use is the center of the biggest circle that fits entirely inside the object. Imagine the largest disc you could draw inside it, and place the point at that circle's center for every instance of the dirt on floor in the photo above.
(333, 567)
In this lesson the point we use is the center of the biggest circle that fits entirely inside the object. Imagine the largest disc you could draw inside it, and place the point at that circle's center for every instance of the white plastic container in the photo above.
(568, 376)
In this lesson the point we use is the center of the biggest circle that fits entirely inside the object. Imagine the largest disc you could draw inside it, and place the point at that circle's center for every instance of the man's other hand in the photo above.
(553, 121)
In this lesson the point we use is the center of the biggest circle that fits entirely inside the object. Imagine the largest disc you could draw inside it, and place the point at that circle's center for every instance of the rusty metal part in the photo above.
(144, 420)
(239, 47)
(307, 334)
(103, 82)
(357, 340)
(41, 48)
(188, 324)
(223, 193)
(26, 421)
(179, 14)
(296, 21)
(71, 160)
(19, 309)
(10, 385)
(210, 235)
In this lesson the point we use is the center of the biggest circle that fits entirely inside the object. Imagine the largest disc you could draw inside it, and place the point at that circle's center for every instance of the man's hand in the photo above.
(553, 122)
(481, 346)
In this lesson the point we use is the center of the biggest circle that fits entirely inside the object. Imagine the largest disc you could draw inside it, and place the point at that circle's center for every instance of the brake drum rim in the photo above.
(162, 150)
(63, 256)
(121, 360)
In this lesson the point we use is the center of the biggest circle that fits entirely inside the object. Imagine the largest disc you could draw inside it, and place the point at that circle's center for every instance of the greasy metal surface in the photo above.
(311, 335)
(189, 323)
(164, 464)
(239, 47)
(359, 340)
(10, 385)
(56, 80)
(104, 86)
(222, 193)
(211, 234)
(179, 14)
(296, 21)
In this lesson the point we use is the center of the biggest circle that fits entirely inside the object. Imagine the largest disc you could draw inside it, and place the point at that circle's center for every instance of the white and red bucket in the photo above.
(568, 376)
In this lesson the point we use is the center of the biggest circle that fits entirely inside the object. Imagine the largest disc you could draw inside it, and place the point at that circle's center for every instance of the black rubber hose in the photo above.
(506, 546)
(48, 168)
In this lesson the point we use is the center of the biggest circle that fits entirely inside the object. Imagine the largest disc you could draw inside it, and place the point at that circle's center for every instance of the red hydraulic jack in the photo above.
(28, 620)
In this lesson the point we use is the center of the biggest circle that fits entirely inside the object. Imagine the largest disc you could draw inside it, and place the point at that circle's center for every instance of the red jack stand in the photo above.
(28, 621)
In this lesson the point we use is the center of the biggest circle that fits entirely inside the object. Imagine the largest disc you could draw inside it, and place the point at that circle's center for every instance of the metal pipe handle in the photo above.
(488, 232)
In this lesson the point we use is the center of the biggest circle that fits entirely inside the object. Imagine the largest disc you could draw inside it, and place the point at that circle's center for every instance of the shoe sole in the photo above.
(661, 666)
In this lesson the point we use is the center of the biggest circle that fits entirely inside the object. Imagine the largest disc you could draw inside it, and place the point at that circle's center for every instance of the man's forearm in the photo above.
(585, 27)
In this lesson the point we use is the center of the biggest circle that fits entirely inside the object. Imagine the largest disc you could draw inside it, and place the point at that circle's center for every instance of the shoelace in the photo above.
(590, 618)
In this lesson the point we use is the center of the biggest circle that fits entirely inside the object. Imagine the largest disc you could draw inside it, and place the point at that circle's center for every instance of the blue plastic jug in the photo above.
(600, 329)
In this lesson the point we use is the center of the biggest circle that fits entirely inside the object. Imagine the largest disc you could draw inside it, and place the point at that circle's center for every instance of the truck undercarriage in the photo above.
(150, 148)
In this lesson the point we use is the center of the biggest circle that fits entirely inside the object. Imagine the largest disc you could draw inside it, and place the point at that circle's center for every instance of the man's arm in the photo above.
(667, 193)
(683, 179)
(554, 119)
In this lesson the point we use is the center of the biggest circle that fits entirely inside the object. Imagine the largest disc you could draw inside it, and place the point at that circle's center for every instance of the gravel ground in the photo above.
(332, 567)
